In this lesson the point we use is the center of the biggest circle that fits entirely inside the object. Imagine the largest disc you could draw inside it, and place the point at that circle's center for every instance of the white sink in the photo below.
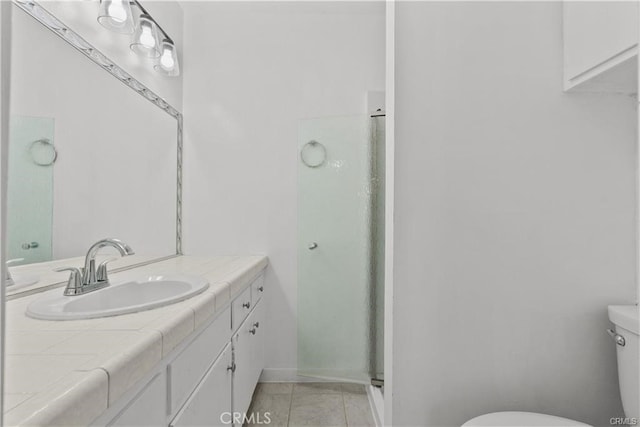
(122, 297)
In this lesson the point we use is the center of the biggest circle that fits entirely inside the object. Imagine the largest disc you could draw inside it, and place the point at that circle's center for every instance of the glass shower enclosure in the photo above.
(341, 248)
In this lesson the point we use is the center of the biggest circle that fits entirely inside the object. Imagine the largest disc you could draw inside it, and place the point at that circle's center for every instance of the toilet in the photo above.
(625, 335)
(521, 419)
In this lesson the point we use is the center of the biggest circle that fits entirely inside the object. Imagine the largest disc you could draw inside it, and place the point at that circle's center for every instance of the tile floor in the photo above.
(312, 404)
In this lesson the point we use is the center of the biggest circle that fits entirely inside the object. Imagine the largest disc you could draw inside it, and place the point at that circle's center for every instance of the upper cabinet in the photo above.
(600, 46)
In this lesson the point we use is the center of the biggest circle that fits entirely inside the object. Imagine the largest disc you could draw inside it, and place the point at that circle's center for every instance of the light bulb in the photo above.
(115, 15)
(168, 62)
(167, 59)
(145, 41)
(146, 38)
(116, 11)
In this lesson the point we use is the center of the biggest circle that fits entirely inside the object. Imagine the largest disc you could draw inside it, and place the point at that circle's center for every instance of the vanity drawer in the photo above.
(188, 368)
(240, 308)
(257, 289)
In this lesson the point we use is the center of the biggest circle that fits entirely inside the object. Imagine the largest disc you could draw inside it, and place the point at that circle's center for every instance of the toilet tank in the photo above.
(627, 325)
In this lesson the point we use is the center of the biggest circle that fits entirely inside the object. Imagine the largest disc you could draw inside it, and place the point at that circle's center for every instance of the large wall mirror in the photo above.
(89, 158)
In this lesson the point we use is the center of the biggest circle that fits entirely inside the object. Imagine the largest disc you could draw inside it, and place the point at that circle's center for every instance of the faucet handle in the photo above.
(101, 274)
(74, 284)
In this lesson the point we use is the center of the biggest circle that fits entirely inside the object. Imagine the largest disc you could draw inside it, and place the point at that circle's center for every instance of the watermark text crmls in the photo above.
(243, 418)
(620, 421)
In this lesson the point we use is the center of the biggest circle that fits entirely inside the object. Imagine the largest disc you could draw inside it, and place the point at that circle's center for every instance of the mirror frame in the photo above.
(41, 15)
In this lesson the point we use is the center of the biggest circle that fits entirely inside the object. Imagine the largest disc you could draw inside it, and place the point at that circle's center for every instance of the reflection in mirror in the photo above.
(89, 158)
(30, 190)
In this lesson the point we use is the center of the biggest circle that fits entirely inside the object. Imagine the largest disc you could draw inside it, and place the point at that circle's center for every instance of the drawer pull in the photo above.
(252, 331)
(257, 324)
(246, 304)
(232, 368)
(261, 288)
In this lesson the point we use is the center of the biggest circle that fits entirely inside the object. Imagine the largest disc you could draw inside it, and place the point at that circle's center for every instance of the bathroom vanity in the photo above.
(195, 362)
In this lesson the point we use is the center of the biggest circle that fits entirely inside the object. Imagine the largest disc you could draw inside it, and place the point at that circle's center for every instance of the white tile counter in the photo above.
(69, 372)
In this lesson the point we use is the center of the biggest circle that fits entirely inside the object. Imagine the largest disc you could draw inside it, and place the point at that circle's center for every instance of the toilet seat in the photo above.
(521, 419)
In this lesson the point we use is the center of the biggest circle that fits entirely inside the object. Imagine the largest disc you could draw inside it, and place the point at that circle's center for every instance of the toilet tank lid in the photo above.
(625, 316)
(521, 419)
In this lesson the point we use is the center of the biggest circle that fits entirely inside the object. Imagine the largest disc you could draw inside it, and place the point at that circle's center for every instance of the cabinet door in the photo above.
(248, 347)
(258, 342)
(187, 369)
(243, 377)
(210, 403)
(147, 408)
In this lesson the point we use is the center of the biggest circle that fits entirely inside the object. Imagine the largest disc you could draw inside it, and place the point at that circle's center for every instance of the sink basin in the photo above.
(122, 297)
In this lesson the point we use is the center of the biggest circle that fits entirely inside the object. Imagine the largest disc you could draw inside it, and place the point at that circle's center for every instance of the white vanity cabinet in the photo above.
(210, 403)
(207, 379)
(600, 45)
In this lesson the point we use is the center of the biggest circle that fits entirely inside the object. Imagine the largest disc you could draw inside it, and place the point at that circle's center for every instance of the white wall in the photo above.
(81, 16)
(115, 175)
(514, 219)
(250, 74)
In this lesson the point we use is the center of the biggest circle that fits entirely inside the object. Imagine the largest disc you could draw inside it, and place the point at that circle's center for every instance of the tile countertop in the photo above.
(69, 372)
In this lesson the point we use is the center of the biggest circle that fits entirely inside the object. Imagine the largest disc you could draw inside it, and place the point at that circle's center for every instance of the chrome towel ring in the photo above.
(313, 154)
(42, 152)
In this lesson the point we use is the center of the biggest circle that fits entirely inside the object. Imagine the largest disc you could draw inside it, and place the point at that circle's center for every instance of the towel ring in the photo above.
(42, 152)
(313, 154)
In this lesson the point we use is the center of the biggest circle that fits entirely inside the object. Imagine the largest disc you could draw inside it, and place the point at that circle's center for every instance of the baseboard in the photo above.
(286, 375)
(376, 400)
(289, 375)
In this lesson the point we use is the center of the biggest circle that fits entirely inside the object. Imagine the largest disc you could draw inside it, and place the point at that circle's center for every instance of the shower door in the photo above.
(336, 249)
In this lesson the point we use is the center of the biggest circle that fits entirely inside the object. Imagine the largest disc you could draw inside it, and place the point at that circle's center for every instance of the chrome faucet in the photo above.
(89, 278)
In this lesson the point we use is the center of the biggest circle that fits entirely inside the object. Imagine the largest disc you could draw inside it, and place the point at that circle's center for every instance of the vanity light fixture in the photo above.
(146, 41)
(149, 40)
(116, 15)
(168, 62)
